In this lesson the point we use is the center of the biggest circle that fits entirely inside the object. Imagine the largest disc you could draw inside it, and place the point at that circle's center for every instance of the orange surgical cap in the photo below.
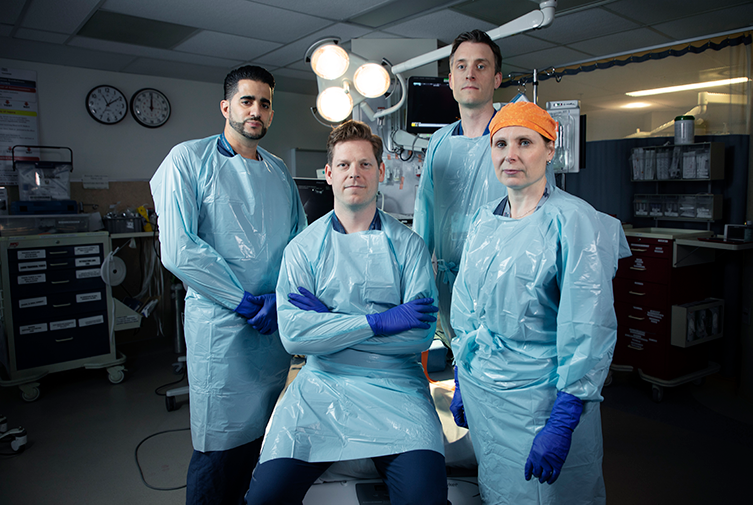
(525, 114)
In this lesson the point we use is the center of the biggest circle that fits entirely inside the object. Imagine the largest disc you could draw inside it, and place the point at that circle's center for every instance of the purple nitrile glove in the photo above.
(456, 406)
(403, 317)
(307, 301)
(265, 320)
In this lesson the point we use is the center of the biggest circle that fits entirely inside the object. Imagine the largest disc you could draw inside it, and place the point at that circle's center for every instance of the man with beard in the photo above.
(227, 208)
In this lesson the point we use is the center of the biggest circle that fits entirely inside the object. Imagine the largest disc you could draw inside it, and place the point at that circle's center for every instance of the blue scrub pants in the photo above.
(412, 478)
(221, 477)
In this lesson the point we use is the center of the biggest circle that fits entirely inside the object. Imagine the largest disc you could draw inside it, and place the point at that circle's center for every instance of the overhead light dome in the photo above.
(329, 61)
(371, 80)
(334, 104)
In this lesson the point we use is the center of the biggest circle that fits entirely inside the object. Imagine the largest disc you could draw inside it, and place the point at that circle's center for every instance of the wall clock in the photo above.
(106, 104)
(150, 107)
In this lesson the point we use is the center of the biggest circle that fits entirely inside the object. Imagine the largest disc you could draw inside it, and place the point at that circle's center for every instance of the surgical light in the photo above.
(371, 80)
(329, 61)
(685, 87)
(334, 104)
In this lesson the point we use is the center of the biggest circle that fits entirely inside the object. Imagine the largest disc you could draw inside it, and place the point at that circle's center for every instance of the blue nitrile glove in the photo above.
(307, 301)
(456, 406)
(406, 316)
(551, 445)
(265, 319)
(249, 305)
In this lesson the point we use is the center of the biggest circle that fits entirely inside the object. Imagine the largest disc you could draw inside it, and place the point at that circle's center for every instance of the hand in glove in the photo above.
(265, 320)
(307, 301)
(456, 406)
(552, 444)
(406, 316)
(249, 305)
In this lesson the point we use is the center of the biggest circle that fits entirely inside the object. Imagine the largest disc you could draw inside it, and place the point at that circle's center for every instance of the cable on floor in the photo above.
(182, 378)
(138, 465)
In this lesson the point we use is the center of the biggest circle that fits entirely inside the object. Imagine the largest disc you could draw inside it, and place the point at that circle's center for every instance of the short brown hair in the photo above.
(353, 130)
(478, 37)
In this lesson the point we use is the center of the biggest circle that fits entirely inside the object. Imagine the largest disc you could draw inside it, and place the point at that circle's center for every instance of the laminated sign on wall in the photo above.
(18, 119)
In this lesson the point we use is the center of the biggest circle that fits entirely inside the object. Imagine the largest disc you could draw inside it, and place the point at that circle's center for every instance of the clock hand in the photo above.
(151, 101)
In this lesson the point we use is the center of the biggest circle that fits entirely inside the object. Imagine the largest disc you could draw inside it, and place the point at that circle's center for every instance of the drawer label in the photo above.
(32, 279)
(86, 249)
(31, 266)
(88, 297)
(32, 302)
(87, 262)
(32, 328)
(31, 254)
(129, 319)
(655, 316)
(88, 274)
(63, 325)
(89, 321)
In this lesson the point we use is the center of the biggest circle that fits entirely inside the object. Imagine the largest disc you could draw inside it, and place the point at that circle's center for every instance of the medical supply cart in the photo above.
(57, 310)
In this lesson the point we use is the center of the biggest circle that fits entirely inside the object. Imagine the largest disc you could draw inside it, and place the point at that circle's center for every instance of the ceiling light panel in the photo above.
(238, 17)
(117, 27)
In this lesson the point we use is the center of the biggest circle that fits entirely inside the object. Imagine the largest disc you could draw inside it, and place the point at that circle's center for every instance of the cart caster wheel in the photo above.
(657, 393)
(116, 377)
(170, 403)
(19, 442)
(29, 392)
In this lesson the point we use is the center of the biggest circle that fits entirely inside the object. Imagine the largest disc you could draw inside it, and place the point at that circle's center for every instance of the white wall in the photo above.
(127, 151)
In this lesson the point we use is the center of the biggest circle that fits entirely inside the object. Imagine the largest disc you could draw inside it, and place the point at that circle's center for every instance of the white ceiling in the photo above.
(217, 35)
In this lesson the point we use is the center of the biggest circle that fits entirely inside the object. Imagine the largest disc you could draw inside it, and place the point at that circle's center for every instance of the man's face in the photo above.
(354, 174)
(472, 76)
(249, 112)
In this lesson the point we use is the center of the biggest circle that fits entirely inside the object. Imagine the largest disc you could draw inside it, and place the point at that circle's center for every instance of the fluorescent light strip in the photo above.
(685, 87)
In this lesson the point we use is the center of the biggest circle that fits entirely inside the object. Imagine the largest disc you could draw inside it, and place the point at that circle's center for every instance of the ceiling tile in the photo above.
(229, 46)
(296, 74)
(333, 10)
(651, 12)
(5, 30)
(377, 34)
(621, 42)
(41, 35)
(442, 25)
(56, 54)
(11, 10)
(584, 25)
(709, 23)
(547, 58)
(152, 52)
(297, 50)
(237, 17)
(117, 27)
(57, 16)
(521, 44)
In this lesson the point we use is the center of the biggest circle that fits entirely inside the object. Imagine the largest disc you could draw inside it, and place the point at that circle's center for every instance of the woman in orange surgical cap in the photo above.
(533, 310)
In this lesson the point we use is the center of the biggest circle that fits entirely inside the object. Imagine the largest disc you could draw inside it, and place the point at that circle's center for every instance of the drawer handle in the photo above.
(60, 282)
(641, 269)
(58, 264)
(61, 305)
(637, 318)
(635, 348)
(58, 252)
(64, 339)
(636, 293)
(639, 247)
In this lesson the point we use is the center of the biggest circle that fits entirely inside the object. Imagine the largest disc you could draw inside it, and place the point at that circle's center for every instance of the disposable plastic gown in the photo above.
(359, 395)
(457, 179)
(533, 310)
(224, 223)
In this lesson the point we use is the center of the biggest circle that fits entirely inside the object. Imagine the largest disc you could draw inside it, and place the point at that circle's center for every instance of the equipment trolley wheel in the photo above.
(115, 374)
(29, 392)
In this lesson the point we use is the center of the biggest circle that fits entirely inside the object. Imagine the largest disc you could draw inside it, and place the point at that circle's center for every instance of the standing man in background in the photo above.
(458, 175)
(227, 208)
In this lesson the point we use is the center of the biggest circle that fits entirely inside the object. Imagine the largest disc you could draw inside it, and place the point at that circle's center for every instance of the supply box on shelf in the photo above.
(697, 322)
(689, 162)
(698, 207)
(123, 224)
(38, 224)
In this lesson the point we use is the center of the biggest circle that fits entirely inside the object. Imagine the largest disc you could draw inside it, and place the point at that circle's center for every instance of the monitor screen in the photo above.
(316, 196)
(430, 104)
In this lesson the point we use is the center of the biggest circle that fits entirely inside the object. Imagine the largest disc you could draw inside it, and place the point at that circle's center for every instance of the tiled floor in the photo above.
(693, 448)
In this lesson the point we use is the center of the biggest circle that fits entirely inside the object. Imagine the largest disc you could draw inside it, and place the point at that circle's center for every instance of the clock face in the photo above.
(106, 104)
(150, 108)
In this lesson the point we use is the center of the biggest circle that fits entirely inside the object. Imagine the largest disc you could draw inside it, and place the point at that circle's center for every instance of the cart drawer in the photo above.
(649, 294)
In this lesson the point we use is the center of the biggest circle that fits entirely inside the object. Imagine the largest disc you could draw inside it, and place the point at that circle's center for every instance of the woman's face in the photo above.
(519, 155)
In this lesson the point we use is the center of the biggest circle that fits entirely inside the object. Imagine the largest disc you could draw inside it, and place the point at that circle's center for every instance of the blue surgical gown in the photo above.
(224, 223)
(458, 178)
(359, 395)
(533, 310)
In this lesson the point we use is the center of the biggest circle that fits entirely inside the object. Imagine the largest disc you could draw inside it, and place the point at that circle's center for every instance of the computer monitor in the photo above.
(316, 196)
(430, 104)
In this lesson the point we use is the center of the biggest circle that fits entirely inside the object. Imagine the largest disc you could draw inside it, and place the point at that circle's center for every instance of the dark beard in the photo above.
(238, 126)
